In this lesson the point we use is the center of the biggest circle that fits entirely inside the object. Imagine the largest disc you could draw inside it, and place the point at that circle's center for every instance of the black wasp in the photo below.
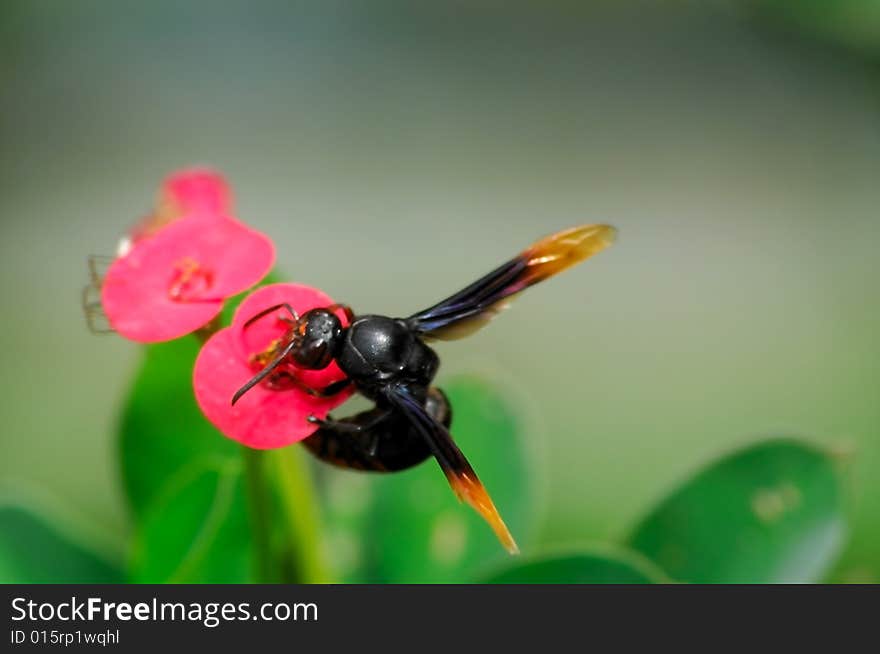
(388, 361)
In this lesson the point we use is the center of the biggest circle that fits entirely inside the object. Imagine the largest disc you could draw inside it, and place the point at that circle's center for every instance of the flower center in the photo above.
(190, 281)
(260, 360)
(283, 377)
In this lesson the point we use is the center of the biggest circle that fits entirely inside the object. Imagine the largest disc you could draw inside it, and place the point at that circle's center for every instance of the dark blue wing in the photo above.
(472, 307)
(455, 466)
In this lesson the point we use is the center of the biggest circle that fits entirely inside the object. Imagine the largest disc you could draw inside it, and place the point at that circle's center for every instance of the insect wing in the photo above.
(455, 466)
(471, 308)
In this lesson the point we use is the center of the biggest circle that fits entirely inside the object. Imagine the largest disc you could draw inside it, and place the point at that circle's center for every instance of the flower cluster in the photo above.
(173, 272)
(176, 267)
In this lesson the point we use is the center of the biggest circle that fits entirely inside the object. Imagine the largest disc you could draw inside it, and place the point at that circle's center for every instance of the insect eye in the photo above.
(313, 354)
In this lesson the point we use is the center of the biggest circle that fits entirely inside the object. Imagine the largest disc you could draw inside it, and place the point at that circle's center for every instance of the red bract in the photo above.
(195, 190)
(272, 414)
(192, 191)
(175, 282)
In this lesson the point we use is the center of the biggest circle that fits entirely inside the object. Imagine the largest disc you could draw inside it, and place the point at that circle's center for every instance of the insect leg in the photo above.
(378, 440)
(96, 319)
(98, 265)
(330, 390)
(364, 421)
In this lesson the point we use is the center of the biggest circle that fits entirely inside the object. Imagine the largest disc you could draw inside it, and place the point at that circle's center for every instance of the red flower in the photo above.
(185, 192)
(179, 267)
(274, 413)
(196, 189)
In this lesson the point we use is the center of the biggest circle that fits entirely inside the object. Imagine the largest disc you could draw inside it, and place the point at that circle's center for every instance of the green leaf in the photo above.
(197, 530)
(162, 428)
(409, 527)
(35, 551)
(604, 566)
(854, 24)
(770, 513)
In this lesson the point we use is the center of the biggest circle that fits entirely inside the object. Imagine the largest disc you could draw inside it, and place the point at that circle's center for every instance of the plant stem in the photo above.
(202, 334)
(259, 499)
(299, 506)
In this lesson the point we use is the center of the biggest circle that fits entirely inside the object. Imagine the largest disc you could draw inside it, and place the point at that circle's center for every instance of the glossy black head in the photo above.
(318, 337)
(315, 339)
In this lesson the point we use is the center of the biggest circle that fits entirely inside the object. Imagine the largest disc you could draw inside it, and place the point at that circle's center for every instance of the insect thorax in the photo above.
(379, 350)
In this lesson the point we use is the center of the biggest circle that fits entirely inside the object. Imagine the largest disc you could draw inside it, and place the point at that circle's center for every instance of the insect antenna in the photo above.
(265, 372)
(283, 305)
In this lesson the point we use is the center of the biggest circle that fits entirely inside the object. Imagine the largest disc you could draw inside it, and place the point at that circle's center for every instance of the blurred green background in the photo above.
(396, 151)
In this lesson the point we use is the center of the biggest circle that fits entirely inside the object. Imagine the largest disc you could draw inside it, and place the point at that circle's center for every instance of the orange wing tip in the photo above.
(604, 234)
(580, 242)
(474, 493)
(561, 250)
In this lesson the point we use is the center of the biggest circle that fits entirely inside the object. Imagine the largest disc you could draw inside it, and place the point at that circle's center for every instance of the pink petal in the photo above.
(262, 418)
(194, 191)
(237, 255)
(135, 291)
(197, 190)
